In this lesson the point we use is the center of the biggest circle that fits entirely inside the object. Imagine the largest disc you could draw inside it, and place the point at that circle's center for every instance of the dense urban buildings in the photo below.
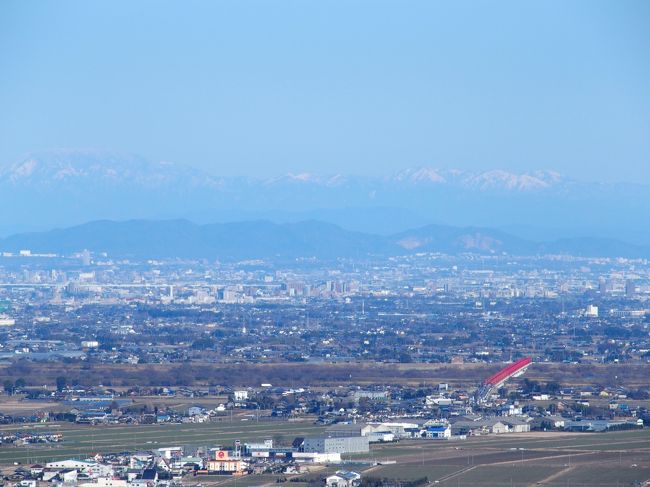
(330, 358)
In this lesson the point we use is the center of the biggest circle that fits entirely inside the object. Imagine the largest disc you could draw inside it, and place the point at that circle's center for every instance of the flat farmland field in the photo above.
(548, 459)
(601, 476)
(412, 471)
(501, 475)
(18, 406)
(312, 473)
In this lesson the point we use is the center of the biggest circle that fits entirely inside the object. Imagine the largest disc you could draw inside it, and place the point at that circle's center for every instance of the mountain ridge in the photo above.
(69, 187)
(61, 165)
(181, 238)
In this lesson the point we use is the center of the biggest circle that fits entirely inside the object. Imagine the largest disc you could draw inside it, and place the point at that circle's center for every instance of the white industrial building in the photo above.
(345, 444)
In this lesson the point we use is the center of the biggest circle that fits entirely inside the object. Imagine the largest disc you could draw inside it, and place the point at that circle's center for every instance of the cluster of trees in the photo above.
(613, 331)
(189, 374)
(10, 387)
(534, 387)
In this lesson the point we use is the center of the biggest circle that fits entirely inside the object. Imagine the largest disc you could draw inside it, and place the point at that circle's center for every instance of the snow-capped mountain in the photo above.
(59, 167)
(71, 187)
(307, 178)
(422, 175)
(498, 179)
(69, 167)
(485, 181)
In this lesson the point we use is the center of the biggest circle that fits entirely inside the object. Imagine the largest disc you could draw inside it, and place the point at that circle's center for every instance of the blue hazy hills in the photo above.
(145, 239)
(418, 209)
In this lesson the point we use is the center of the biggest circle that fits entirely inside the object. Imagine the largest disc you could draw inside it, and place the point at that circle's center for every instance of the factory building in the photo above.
(349, 444)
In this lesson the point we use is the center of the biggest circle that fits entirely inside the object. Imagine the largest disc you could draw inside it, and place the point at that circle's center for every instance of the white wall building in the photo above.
(241, 395)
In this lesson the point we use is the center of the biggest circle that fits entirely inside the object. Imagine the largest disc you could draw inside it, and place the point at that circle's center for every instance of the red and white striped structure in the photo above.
(495, 381)
(514, 369)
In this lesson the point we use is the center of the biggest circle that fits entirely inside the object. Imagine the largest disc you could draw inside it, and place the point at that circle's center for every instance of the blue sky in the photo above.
(262, 88)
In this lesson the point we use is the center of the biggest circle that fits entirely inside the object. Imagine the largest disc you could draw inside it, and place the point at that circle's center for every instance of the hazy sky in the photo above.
(261, 88)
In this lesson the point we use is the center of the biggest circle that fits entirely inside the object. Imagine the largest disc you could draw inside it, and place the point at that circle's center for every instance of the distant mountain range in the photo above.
(144, 239)
(71, 168)
(69, 187)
